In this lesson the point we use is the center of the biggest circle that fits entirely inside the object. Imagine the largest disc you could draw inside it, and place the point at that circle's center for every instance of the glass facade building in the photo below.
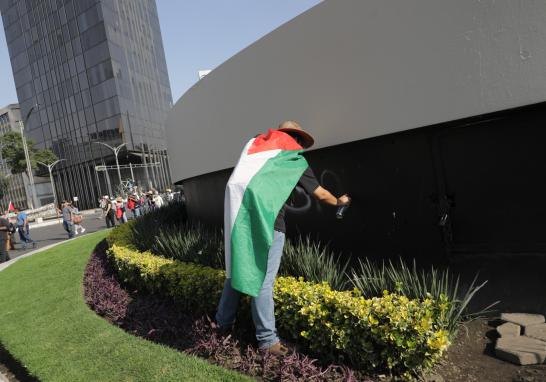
(97, 71)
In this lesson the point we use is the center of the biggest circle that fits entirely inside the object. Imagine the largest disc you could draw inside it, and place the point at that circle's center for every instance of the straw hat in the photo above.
(293, 128)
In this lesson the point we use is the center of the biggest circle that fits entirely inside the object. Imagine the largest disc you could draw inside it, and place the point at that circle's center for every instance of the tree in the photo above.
(45, 156)
(14, 154)
(4, 185)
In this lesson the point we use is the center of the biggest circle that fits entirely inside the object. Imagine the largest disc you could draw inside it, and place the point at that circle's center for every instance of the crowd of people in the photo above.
(115, 211)
(118, 210)
(12, 223)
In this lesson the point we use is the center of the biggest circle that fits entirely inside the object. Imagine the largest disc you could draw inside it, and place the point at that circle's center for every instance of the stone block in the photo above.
(509, 329)
(521, 350)
(536, 331)
(523, 319)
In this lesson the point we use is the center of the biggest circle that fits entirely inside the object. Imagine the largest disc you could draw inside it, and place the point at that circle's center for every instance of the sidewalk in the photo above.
(59, 220)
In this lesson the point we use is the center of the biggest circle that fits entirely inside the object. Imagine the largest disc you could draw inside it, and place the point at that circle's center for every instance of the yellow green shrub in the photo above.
(195, 287)
(122, 235)
(390, 332)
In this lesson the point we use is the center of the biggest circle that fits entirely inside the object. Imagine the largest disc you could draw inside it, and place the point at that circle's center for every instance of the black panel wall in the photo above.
(469, 186)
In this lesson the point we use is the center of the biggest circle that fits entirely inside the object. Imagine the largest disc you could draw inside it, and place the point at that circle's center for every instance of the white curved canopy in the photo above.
(354, 69)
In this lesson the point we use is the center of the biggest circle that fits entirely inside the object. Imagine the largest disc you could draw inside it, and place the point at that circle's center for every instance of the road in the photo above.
(55, 233)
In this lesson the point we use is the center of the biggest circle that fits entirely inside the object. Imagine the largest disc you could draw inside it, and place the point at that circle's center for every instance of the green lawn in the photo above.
(47, 326)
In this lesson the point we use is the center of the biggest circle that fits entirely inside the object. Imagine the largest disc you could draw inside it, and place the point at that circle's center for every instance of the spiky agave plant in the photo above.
(191, 243)
(314, 262)
(373, 278)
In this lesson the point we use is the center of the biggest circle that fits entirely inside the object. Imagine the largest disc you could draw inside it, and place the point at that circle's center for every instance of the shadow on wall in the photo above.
(469, 186)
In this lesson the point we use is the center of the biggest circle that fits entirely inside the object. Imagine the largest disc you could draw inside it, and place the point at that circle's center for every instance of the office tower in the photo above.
(97, 71)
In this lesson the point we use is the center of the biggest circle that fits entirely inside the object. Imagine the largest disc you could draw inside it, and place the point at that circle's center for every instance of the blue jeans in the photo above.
(262, 307)
(69, 228)
(24, 235)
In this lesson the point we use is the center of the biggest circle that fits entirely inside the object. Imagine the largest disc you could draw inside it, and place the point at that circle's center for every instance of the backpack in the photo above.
(119, 213)
(77, 219)
(131, 204)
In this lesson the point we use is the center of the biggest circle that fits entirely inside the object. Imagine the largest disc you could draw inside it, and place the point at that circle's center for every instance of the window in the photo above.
(93, 36)
(103, 90)
(89, 18)
(83, 80)
(100, 73)
(86, 98)
(13, 31)
(106, 109)
(97, 54)
(80, 65)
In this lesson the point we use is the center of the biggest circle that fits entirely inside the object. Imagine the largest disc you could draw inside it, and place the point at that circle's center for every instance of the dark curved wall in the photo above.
(486, 173)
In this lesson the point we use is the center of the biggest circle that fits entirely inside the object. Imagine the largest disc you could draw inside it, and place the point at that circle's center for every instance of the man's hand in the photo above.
(326, 196)
(344, 199)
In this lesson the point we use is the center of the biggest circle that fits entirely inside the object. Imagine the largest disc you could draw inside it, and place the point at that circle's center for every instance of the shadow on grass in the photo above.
(15, 368)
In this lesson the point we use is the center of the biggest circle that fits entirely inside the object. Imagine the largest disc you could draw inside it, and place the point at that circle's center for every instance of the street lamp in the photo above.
(34, 199)
(50, 168)
(116, 152)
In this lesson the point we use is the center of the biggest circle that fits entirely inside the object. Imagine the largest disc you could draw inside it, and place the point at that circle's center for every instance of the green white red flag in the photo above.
(267, 171)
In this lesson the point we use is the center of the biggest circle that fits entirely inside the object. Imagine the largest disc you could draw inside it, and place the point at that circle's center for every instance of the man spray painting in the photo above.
(268, 170)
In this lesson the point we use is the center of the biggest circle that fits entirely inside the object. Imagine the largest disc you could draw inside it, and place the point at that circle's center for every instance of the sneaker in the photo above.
(278, 349)
(83, 230)
(75, 232)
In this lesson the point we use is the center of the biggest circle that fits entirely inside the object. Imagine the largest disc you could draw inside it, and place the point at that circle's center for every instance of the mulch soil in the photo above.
(471, 358)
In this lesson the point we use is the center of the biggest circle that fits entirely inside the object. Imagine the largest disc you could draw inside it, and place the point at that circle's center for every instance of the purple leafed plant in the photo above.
(102, 290)
(160, 320)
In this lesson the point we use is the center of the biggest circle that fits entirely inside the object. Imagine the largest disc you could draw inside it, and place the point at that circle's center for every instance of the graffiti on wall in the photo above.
(301, 203)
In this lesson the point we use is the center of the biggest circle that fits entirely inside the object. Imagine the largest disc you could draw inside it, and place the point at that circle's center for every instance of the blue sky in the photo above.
(196, 35)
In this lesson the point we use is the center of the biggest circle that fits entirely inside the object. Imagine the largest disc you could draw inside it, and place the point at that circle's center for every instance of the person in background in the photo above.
(24, 229)
(158, 200)
(150, 203)
(102, 205)
(4, 231)
(143, 203)
(109, 213)
(68, 218)
(169, 195)
(120, 211)
(133, 205)
(11, 232)
(77, 219)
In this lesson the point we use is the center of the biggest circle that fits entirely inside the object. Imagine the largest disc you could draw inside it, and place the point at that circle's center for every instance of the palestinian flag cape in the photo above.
(269, 168)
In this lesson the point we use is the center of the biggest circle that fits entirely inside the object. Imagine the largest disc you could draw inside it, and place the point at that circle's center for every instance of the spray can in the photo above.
(342, 209)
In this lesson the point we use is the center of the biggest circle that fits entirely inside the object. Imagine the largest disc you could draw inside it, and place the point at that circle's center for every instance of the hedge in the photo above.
(390, 332)
(122, 235)
(195, 287)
